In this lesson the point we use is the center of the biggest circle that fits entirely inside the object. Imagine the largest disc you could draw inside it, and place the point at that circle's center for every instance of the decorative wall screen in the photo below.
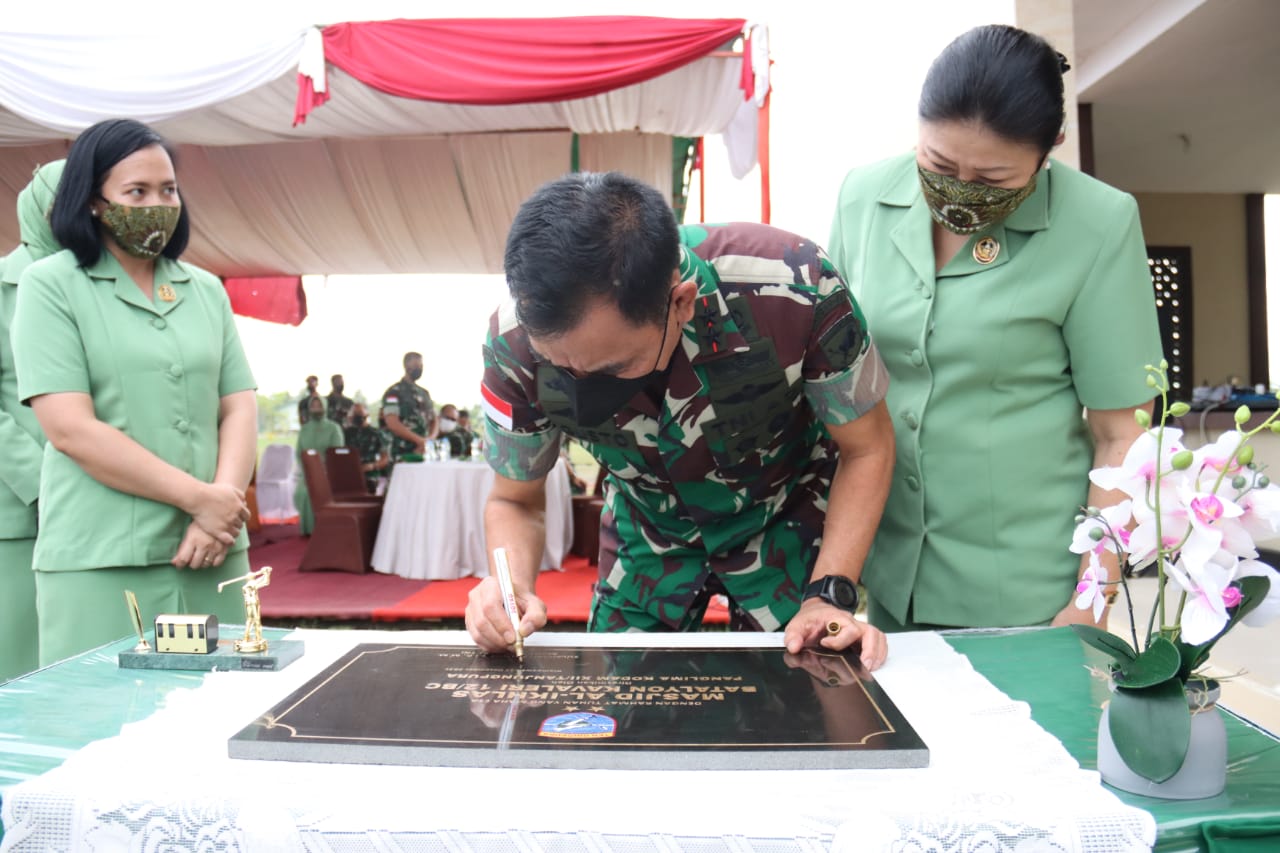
(1171, 276)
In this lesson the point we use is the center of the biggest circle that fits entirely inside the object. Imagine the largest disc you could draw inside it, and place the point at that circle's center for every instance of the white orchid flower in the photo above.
(1270, 606)
(1205, 512)
(1173, 527)
(1261, 519)
(1205, 613)
(1210, 461)
(1113, 519)
(1137, 473)
(1090, 590)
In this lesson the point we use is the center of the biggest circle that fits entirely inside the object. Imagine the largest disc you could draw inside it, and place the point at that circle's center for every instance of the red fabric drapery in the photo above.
(308, 99)
(274, 298)
(514, 60)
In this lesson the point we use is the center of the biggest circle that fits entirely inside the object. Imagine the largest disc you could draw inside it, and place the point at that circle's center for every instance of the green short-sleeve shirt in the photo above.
(156, 370)
(991, 365)
(21, 440)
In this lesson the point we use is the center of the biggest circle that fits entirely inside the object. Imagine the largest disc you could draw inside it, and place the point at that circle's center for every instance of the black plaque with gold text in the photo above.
(592, 707)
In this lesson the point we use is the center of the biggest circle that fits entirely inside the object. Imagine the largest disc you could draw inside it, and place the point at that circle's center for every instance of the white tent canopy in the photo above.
(371, 183)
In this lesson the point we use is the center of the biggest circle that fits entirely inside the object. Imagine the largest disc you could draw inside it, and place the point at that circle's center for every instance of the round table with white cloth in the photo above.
(433, 520)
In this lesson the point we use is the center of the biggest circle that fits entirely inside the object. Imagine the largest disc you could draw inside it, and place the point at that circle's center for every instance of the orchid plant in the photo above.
(1194, 515)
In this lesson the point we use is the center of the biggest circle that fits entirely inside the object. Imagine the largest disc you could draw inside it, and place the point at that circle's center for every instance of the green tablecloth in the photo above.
(1048, 669)
(49, 714)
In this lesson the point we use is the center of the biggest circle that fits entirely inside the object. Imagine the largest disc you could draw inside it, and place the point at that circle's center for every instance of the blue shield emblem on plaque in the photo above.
(580, 724)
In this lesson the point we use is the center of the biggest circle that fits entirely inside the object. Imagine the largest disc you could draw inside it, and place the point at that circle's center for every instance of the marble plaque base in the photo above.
(648, 709)
(225, 658)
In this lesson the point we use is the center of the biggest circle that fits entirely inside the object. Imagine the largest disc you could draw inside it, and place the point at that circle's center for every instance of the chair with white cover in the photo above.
(275, 484)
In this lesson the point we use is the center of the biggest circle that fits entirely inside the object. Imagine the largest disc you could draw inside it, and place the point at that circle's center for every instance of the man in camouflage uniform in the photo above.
(337, 407)
(370, 443)
(723, 378)
(464, 433)
(459, 444)
(304, 402)
(408, 415)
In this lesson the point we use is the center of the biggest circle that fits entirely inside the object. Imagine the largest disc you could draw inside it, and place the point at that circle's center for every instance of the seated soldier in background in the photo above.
(464, 431)
(319, 434)
(372, 446)
(459, 445)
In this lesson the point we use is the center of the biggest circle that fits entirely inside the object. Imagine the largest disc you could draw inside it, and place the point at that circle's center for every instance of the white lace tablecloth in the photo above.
(432, 524)
(997, 782)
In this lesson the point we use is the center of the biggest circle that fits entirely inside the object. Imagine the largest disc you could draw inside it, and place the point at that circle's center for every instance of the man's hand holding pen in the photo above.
(492, 626)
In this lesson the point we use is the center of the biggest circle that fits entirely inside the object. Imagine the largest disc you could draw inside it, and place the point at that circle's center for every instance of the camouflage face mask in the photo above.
(967, 208)
(141, 231)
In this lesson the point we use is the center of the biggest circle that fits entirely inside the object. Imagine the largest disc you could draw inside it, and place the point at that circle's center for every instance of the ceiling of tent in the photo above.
(373, 183)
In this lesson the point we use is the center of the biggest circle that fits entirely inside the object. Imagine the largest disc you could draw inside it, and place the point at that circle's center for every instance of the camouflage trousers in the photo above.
(650, 582)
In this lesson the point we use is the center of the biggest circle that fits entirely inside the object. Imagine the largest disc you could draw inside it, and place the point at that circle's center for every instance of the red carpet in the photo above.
(339, 596)
(345, 597)
(567, 595)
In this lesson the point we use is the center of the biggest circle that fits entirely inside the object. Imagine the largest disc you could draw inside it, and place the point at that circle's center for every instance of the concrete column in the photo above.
(1054, 21)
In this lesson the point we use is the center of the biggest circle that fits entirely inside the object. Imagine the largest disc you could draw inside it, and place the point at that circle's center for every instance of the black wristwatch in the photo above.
(836, 590)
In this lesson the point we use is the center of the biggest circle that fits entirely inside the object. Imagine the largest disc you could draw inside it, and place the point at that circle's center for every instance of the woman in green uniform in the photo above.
(1008, 294)
(131, 362)
(21, 441)
(317, 433)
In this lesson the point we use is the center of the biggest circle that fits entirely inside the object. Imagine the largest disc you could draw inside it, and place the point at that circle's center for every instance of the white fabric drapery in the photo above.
(248, 100)
(383, 205)
(275, 483)
(66, 82)
(996, 781)
(432, 525)
(367, 206)
(370, 183)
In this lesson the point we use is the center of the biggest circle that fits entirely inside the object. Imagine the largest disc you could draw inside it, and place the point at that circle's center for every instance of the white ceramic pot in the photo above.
(1203, 772)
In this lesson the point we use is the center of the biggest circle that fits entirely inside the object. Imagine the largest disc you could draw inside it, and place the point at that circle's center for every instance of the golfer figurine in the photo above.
(254, 581)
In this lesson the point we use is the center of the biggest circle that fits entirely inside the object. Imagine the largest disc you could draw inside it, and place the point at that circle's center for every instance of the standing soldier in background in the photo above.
(408, 415)
(21, 440)
(337, 407)
(371, 444)
(304, 402)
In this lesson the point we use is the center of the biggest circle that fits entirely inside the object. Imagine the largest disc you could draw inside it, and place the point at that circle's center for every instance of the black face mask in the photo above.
(596, 398)
(415, 373)
(358, 420)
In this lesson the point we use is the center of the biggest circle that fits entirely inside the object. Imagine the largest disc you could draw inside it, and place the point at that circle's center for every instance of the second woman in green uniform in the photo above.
(1006, 297)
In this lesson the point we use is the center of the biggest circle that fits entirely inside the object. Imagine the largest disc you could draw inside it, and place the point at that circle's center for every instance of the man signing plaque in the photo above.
(723, 377)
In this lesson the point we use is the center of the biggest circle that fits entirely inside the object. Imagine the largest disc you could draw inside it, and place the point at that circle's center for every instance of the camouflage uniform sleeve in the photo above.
(520, 443)
(391, 401)
(844, 375)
